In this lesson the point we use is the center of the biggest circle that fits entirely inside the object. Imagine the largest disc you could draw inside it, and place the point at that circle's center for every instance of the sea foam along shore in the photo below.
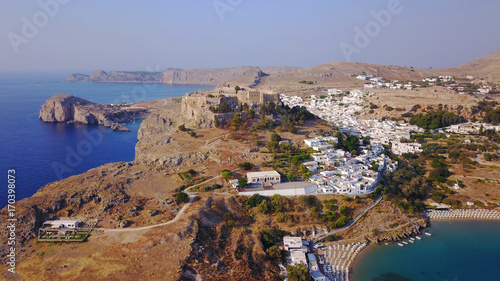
(481, 214)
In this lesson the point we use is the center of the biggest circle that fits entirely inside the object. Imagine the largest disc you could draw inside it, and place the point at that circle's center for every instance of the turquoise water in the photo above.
(42, 152)
(456, 251)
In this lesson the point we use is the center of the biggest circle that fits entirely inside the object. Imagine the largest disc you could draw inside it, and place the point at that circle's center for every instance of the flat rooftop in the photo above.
(287, 185)
(263, 174)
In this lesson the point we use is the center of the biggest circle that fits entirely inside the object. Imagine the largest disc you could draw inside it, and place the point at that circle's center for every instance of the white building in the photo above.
(234, 183)
(291, 242)
(61, 224)
(401, 148)
(295, 188)
(298, 257)
(314, 268)
(269, 177)
(312, 166)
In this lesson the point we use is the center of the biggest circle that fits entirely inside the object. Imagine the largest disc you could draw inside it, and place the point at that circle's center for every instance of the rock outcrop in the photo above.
(195, 109)
(157, 123)
(69, 109)
(61, 108)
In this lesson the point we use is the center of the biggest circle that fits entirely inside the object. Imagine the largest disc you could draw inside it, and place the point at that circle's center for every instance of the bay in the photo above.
(456, 251)
(35, 149)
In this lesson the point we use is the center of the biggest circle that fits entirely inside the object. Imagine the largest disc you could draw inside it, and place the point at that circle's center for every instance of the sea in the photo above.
(40, 152)
(462, 250)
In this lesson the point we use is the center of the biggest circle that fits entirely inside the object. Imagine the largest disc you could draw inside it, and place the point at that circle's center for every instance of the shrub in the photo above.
(230, 223)
(331, 238)
(245, 166)
(181, 197)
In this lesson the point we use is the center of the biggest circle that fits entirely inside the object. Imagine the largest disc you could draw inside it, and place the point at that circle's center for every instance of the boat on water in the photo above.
(412, 241)
(386, 243)
(428, 234)
(400, 244)
(404, 242)
(418, 237)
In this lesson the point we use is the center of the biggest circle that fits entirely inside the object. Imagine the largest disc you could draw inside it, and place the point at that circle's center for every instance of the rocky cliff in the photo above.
(195, 109)
(117, 77)
(212, 76)
(69, 109)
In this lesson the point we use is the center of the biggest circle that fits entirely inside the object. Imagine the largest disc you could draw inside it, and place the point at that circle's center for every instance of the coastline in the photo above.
(443, 216)
(135, 82)
(448, 240)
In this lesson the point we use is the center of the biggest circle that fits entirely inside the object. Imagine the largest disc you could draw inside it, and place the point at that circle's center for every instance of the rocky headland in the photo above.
(71, 109)
(117, 77)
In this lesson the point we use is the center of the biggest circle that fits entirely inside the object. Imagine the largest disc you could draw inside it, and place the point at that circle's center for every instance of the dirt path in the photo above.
(216, 177)
(484, 162)
(192, 196)
(177, 217)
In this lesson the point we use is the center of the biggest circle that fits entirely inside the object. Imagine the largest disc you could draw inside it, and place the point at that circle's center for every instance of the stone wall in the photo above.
(195, 110)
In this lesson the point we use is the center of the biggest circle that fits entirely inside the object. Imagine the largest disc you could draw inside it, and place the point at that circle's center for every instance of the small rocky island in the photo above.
(71, 109)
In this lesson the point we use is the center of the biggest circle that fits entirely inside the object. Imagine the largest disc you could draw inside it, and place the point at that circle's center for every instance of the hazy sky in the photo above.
(140, 35)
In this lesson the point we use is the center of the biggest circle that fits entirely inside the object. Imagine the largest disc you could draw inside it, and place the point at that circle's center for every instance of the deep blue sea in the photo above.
(456, 251)
(45, 152)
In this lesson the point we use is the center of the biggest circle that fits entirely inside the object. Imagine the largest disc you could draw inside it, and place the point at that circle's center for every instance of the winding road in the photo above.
(192, 196)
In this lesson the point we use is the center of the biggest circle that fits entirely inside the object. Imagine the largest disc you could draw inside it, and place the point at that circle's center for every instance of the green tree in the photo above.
(302, 169)
(299, 272)
(341, 221)
(242, 182)
(306, 175)
(250, 113)
(236, 89)
(274, 253)
(282, 217)
(181, 197)
(226, 174)
(351, 143)
(245, 166)
(343, 210)
(254, 200)
(290, 176)
(331, 238)
(235, 122)
(275, 137)
(278, 202)
(366, 140)
(265, 207)
(182, 128)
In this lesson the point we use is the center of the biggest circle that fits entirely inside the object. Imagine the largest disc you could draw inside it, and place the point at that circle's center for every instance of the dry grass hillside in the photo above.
(339, 74)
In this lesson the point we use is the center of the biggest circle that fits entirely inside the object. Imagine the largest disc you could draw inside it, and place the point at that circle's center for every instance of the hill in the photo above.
(211, 76)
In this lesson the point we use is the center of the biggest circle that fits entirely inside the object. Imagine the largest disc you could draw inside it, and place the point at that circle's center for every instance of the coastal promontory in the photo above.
(71, 109)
